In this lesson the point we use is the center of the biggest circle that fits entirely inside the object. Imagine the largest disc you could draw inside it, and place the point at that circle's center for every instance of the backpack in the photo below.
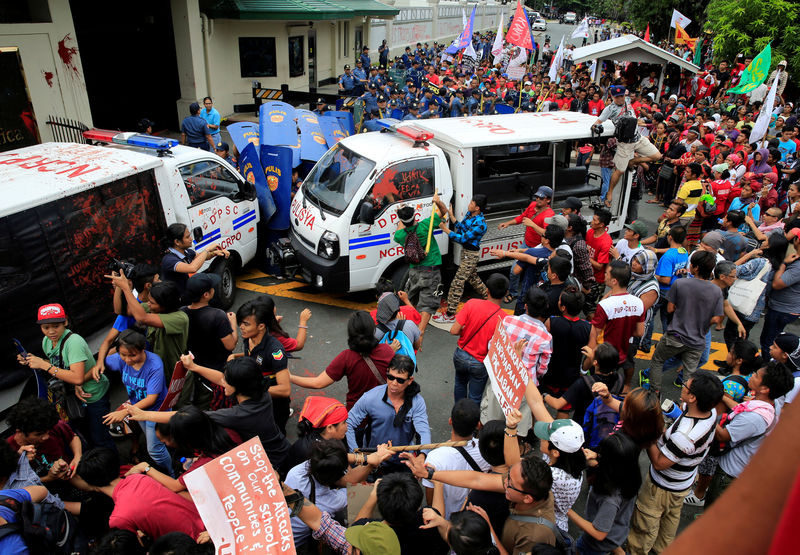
(741, 380)
(389, 335)
(44, 527)
(600, 419)
(626, 126)
(414, 252)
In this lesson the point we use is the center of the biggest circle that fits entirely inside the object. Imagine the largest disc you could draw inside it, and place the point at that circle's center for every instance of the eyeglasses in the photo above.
(773, 215)
(397, 379)
(507, 482)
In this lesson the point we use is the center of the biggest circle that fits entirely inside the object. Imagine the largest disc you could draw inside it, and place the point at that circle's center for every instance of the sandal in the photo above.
(653, 201)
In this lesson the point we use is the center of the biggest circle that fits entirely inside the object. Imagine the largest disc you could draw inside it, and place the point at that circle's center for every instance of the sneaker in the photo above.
(443, 318)
(645, 350)
(694, 501)
(678, 379)
(644, 378)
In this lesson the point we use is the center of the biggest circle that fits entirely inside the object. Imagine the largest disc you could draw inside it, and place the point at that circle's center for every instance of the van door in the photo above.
(219, 212)
(411, 181)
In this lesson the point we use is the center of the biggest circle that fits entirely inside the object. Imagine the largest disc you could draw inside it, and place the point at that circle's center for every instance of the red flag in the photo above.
(519, 34)
(647, 34)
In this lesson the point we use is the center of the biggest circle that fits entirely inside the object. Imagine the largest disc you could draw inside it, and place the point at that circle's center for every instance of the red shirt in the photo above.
(598, 251)
(54, 447)
(141, 503)
(360, 378)
(596, 107)
(721, 190)
(616, 318)
(478, 319)
(531, 237)
(289, 343)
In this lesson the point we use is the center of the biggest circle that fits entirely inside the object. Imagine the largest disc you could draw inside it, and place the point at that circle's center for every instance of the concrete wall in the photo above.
(51, 61)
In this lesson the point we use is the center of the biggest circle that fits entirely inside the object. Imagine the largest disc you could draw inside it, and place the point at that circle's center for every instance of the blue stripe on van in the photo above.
(243, 216)
(248, 219)
(373, 244)
(371, 238)
(208, 239)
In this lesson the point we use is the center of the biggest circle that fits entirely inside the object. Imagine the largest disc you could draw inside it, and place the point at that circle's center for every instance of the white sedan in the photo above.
(540, 25)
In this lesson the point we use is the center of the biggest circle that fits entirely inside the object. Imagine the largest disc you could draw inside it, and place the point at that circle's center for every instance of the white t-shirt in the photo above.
(449, 458)
(626, 253)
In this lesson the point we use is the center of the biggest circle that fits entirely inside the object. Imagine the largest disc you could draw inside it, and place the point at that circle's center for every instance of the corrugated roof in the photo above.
(294, 9)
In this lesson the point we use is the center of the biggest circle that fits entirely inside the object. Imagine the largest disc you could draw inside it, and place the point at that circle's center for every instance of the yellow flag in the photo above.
(682, 37)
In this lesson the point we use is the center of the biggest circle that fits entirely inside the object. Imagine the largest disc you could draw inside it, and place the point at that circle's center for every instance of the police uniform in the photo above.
(348, 82)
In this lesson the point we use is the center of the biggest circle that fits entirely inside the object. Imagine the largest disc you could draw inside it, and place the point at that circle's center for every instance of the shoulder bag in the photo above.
(743, 295)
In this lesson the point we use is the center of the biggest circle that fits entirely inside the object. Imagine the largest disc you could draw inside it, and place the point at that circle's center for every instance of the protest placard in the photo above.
(506, 371)
(241, 502)
(175, 387)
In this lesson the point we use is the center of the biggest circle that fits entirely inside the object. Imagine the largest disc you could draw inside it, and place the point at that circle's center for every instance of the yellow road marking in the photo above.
(718, 352)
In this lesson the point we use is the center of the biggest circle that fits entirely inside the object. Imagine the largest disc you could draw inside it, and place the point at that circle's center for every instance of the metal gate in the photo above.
(67, 130)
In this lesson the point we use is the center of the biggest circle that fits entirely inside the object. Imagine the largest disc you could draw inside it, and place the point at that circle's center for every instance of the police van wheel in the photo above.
(227, 287)
(400, 277)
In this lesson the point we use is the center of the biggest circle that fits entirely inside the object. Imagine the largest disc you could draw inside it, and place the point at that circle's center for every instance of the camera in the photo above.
(118, 266)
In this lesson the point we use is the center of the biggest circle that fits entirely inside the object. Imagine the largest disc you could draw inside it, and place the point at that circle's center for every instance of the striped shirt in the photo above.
(536, 354)
(685, 443)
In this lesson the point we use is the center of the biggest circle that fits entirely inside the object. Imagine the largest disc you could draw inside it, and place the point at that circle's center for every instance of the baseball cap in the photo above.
(544, 192)
(222, 145)
(789, 343)
(388, 305)
(795, 232)
(50, 314)
(565, 434)
(719, 168)
(616, 90)
(373, 538)
(201, 283)
(573, 203)
(194, 107)
(557, 220)
(713, 239)
(321, 100)
(637, 227)
(347, 66)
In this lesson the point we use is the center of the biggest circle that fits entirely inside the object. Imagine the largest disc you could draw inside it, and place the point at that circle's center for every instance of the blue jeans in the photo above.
(471, 376)
(605, 173)
(99, 435)
(674, 362)
(156, 449)
(583, 549)
(513, 279)
(583, 160)
(774, 322)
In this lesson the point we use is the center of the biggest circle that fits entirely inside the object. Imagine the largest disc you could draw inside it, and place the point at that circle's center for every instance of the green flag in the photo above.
(756, 73)
(698, 52)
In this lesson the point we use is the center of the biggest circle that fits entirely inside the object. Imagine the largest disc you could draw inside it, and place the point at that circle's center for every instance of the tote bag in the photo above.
(744, 293)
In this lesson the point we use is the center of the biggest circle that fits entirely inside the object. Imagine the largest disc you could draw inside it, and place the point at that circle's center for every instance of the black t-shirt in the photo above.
(168, 272)
(254, 418)
(568, 338)
(580, 395)
(269, 355)
(494, 503)
(413, 540)
(207, 327)
(553, 292)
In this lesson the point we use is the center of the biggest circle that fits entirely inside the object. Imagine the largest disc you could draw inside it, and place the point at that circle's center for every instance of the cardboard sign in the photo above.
(175, 387)
(506, 371)
(241, 502)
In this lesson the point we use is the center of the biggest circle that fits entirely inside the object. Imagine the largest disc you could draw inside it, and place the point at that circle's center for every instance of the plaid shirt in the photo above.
(580, 258)
(607, 153)
(536, 355)
(469, 231)
(332, 533)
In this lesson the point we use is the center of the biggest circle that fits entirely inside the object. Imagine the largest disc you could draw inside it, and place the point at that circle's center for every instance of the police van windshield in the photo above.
(336, 178)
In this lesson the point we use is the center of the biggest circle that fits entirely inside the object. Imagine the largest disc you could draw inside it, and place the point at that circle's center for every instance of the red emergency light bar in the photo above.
(416, 133)
(100, 135)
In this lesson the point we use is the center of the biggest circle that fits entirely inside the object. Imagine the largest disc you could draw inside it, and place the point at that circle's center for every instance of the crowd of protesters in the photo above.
(579, 308)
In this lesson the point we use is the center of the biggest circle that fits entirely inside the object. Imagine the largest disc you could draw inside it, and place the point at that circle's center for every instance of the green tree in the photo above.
(747, 26)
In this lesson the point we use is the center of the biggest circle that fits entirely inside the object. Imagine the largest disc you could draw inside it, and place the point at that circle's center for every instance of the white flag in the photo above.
(764, 117)
(582, 31)
(558, 59)
(680, 19)
(517, 66)
(497, 47)
(593, 70)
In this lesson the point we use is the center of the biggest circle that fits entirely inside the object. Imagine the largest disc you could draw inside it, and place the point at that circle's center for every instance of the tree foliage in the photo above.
(747, 26)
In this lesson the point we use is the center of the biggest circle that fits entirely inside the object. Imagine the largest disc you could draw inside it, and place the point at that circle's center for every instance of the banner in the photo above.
(276, 123)
(175, 387)
(506, 371)
(240, 500)
(243, 133)
(497, 47)
(582, 31)
(679, 19)
(519, 32)
(647, 34)
(331, 129)
(517, 66)
(755, 73)
(252, 171)
(455, 45)
(558, 59)
(762, 123)
(312, 142)
(698, 52)
(277, 164)
(466, 35)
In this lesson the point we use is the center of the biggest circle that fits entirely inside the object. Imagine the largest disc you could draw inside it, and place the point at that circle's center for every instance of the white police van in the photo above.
(345, 213)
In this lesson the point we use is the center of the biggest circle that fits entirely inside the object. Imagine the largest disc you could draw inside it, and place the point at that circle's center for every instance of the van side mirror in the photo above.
(366, 213)
(198, 234)
(247, 190)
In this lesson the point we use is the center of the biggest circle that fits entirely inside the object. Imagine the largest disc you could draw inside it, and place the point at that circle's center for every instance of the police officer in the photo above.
(413, 111)
(474, 102)
(222, 150)
(457, 104)
(321, 107)
(361, 77)
(371, 117)
(370, 98)
(347, 82)
(365, 57)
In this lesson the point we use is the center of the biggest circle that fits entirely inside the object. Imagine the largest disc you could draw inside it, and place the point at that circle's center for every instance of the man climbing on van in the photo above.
(629, 142)
(468, 233)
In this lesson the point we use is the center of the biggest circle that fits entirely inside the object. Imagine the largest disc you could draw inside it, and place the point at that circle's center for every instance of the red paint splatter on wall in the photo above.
(48, 77)
(67, 54)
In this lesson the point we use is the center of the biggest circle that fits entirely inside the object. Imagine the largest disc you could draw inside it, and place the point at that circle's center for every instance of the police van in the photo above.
(70, 209)
(344, 215)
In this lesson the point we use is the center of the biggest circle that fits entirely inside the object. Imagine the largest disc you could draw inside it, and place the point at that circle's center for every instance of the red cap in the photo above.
(322, 411)
(728, 143)
(51, 314)
(795, 232)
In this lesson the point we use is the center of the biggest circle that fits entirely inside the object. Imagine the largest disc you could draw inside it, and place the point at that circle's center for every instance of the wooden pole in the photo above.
(402, 448)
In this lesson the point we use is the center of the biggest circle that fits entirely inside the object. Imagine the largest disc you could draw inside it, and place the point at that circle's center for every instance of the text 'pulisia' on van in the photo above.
(345, 213)
(68, 209)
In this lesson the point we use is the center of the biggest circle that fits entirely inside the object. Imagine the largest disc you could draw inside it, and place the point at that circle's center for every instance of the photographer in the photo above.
(180, 260)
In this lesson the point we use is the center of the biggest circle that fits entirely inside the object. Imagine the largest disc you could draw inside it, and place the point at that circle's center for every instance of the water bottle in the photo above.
(670, 409)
